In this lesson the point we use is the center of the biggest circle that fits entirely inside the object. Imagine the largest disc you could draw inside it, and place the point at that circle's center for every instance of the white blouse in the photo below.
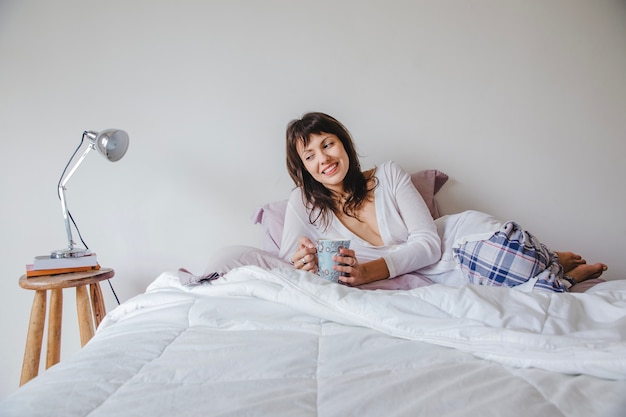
(404, 221)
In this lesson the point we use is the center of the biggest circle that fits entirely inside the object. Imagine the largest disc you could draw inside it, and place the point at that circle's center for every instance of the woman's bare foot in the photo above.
(570, 260)
(584, 272)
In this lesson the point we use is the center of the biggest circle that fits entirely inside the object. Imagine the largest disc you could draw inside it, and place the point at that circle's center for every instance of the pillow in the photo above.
(230, 257)
(428, 182)
(272, 215)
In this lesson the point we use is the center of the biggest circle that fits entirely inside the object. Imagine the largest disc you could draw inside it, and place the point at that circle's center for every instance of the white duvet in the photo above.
(568, 333)
(286, 343)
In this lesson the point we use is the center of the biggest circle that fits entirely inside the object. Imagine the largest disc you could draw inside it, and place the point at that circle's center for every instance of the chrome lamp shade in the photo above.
(110, 143)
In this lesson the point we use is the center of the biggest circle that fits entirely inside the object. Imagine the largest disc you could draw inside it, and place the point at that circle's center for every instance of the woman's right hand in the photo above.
(305, 257)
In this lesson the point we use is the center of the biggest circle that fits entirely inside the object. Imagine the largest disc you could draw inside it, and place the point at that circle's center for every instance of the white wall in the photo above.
(522, 103)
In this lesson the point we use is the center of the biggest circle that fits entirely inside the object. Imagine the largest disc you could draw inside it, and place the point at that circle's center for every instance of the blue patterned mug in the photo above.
(326, 249)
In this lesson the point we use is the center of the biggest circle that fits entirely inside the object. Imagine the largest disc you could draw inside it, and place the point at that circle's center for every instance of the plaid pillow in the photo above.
(510, 257)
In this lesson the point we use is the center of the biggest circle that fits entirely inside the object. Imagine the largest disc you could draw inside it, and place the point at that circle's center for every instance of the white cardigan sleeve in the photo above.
(296, 225)
(405, 223)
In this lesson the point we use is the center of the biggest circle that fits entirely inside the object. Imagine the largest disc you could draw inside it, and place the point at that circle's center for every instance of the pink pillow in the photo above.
(272, 215)
(428, 182)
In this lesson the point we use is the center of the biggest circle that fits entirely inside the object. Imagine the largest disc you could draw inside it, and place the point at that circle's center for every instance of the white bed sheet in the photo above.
(283, 343)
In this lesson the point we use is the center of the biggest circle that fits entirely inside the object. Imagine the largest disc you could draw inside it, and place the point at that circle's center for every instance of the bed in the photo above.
(268, 340)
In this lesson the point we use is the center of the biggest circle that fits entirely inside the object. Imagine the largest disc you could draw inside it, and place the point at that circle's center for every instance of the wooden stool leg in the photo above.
(97, 303)
(53, 355)
(85, 320)
(32, 353)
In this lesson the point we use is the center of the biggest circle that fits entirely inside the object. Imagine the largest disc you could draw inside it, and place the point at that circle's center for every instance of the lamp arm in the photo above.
(67, 177)
(61, 190)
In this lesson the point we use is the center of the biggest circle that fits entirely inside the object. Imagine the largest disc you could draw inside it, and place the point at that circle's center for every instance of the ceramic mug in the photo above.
(326, 249)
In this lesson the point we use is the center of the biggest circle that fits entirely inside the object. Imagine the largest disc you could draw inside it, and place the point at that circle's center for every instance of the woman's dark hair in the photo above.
(320, 200)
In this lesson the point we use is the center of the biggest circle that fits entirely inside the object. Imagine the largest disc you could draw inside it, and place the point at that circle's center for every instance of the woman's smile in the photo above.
(331, 169)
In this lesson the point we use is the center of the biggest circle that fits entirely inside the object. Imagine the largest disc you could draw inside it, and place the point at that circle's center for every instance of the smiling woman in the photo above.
(336, 198)
(390, 226)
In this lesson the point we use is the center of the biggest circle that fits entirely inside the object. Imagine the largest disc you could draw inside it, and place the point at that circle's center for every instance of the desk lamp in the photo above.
(112, 144)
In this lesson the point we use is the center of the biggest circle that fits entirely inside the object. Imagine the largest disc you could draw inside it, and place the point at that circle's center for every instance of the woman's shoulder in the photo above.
(297, 200)
(389, 169)
(295, 195)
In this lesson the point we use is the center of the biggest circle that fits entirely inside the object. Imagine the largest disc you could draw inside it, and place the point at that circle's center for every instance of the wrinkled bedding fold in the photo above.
(568, 333)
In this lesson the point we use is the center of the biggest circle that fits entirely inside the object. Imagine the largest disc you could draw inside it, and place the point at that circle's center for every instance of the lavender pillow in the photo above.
(272, 215)
(428, 182)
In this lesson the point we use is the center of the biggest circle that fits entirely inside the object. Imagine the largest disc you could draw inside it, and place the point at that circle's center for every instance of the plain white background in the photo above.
(522, 103)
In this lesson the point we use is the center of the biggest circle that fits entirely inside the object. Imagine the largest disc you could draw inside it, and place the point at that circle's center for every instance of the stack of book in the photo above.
(47, 265)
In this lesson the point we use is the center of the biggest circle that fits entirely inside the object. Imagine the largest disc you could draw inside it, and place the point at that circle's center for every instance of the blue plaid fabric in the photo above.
(510, 257)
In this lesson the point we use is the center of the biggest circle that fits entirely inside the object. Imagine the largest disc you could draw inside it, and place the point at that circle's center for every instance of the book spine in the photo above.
(30, 272)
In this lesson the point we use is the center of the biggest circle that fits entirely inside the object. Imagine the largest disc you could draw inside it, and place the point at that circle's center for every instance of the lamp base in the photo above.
(70, 253)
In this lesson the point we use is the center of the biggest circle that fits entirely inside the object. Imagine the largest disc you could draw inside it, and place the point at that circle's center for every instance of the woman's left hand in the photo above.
(356, 273)
(348, 265)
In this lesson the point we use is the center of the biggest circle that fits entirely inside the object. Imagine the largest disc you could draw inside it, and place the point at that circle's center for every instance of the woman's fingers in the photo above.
(346, 257)
(348, 265)
(305, 257)
(308, 262)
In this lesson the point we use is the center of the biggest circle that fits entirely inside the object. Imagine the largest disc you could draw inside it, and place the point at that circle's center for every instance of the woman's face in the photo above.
(325, 159)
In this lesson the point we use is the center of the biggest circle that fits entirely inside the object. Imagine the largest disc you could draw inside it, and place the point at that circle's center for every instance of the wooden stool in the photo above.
(87, 314)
